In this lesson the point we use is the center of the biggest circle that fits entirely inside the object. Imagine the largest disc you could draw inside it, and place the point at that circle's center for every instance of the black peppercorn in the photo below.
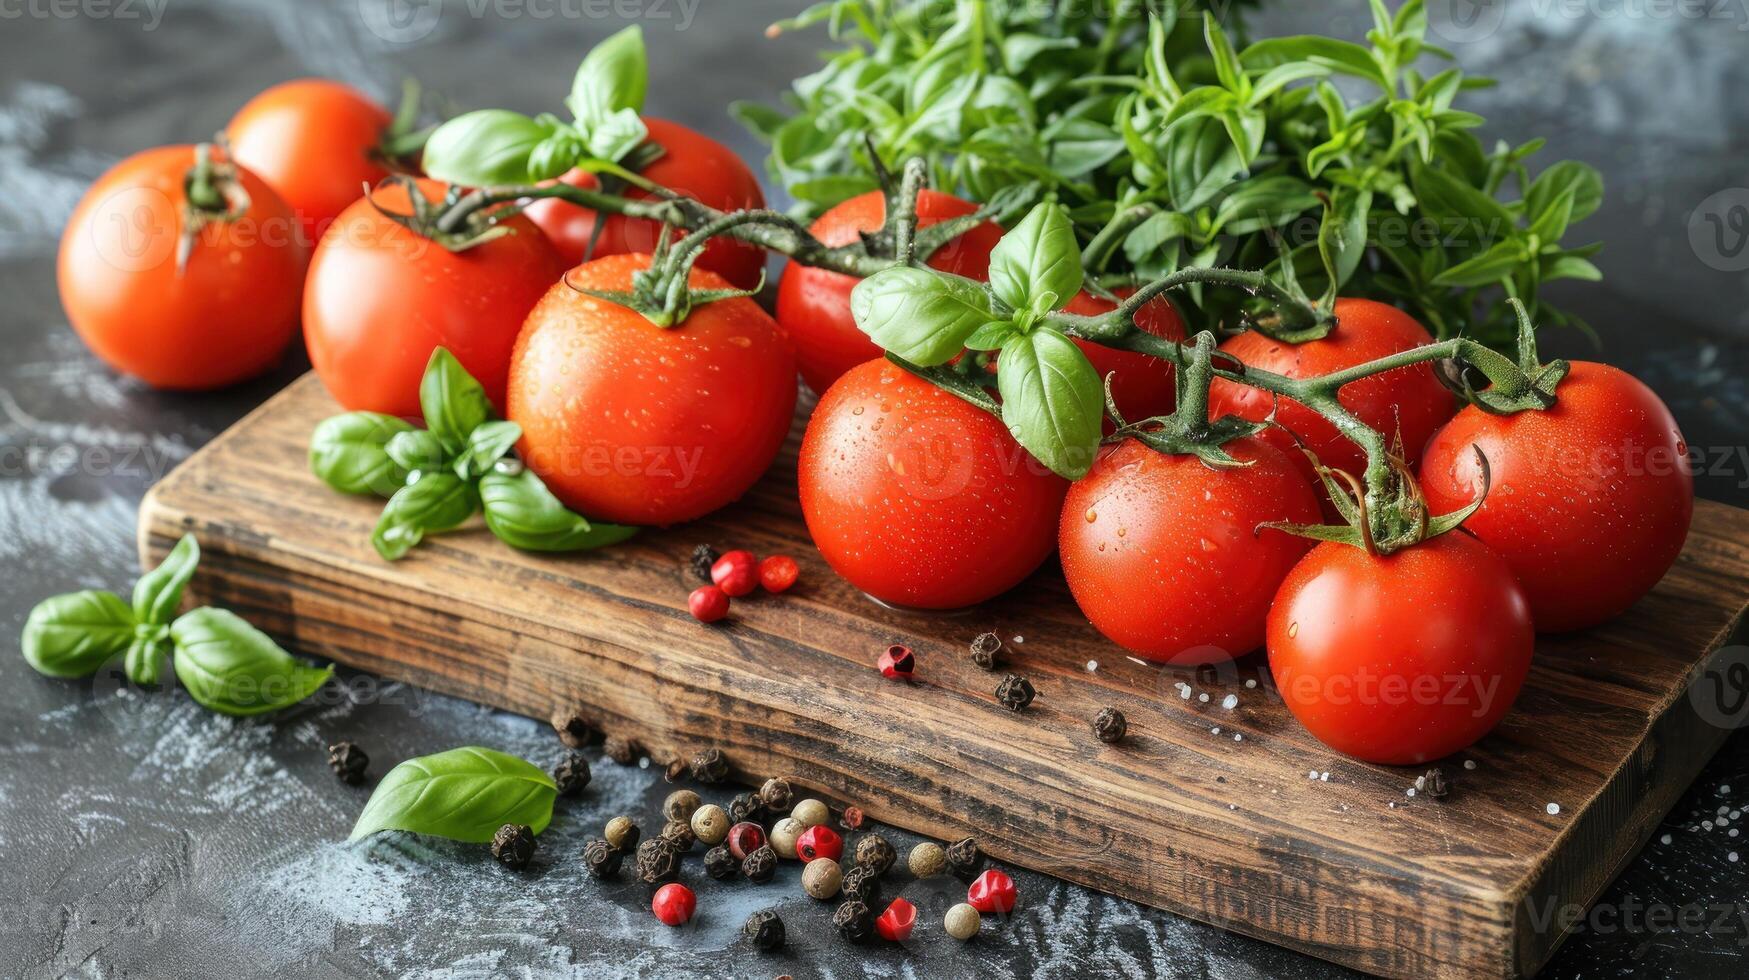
(679, 832)
(513, 846)
(854, 921)
(348, 762)
(760, 865)
(675, 770)
(776, 795)
(572, 729)
(572, 774)
(621, 749)
(703, 557)
(602, 859)
(710, 766)
(746, 808)
(764, 930)
(964, 859)
(658, 861)
(1015, 692)
(874, 853)
(1110, 725)
(1434, 783)
(987, 650)
(720, 864)
(862, 884)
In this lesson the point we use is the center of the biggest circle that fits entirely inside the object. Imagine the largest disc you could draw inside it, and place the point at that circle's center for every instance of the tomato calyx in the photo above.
(1387, 522)
(1188, 431)
(1531, 390)
(427, 218)
(211, 193)
(663, 293)
(402, 141)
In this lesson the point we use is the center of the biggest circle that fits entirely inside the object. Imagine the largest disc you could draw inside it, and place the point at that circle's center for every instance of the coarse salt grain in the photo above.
(1020, 639)
(1469, 763)
(1215, 730)
(1230, 702)
(1732, 857)
(1312, 774)
(1553, 808)
(1251, 682)
(1411, 791)
(1203, 698)
(1092, 665)
(1324, 777)
(1240, 737)
(1664, 839)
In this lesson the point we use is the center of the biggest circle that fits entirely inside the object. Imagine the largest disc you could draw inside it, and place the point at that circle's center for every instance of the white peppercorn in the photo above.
(962, 921)
(710, 824)
(821, 878)
(783, 837)
(927, 860)
(812, 813)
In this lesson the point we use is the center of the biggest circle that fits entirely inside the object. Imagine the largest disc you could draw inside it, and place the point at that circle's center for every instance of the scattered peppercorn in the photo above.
(819, 842)
(897, 662)
(895, 924)
(602, 859)
(1435, 784)
(658, 861)
(760, 865)
(681, 805)
(821, 879)
(572, 774)
(622, 834)
(764, 930)
(703, 557)
(708, 604)
(680, 833)
(719, 863)
(777, 795)
(736, 573)
(573, 731)
(993, 891)
(987, 650)
(778, 573)
(348, 762)
(854, 921)
(862, 884)
(964, 859)
(927, 860)
(620, 749)
(873, 852)
(710, 766)
(675, 770)
(710, 824)
(852, 818)
(784, 835)
(1015, 692)
(811, 812)
(674, 905)
(513, 846)
(746, 808)
(962, 921)
(745, 838)
(1110, 725)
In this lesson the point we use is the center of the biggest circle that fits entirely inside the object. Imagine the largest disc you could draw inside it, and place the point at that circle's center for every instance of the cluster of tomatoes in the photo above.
(916, 497)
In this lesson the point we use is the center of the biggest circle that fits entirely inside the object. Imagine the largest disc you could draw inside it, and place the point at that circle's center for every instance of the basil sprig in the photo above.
(226, 664)
(494, 147)
(439, 477)
(1052, 401)
(464, 794)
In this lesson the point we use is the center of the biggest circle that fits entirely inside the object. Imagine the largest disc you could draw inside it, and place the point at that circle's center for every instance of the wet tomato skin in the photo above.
(1409, 400)
(315, 142)
(226, 317)
(814, 304)
(1403, 659)
(692, 164)
(1163, 552)
(633, 423)
(1590, 501)
(918, 498)
(380, 299)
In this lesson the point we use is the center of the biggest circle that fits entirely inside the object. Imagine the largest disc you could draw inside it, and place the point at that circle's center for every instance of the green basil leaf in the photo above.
(1081, 146)
(1584, 182)
(615, 76)
(614, 137)
(1037, 266)
(349, 453)
(1267, 202)
(464, 794)
(1490, 267)
(453, 402)
(1342, 237)
(144, 662)
(1342, 57)
(992, 335)
(554, 156)
(414, 451)
(921, 315)
(439, 501)
(75, 634)
(524, 514)
(158, 593)
(235, 669)
(1201, 161)
(484, 148)
(487, 444)
(1052, 400)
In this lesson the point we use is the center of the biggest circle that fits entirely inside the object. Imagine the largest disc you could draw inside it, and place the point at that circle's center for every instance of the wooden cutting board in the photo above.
(1223, 826)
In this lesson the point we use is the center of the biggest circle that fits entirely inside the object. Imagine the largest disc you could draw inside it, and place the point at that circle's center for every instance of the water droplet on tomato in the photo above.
(1208, 545)
(1293, 629)
(1092, 515)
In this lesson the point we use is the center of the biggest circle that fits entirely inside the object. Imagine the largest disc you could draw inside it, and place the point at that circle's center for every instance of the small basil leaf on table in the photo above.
(453, 402)
(524, 514)
(921, 315)
(158, 593)
(437, 502)
(1052, 401)
(235, 669)
(487, 444)
(464, 794)
(414, 450)
(75, 634)
(349, 453)
(1037, 266)
(144, 662)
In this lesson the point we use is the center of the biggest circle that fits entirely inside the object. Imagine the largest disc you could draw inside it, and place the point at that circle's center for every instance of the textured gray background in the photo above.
(141, 835)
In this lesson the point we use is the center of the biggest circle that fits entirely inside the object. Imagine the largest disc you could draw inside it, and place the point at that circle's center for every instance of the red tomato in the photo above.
(918, 498)
(1402, 659)
(380, 299)
(694, 165)
(814, 304)
(1410, 400)
(1143, 387)
(632, 423)
(1163, 553)
(225, 317)
(315, 142)
(1590, 502)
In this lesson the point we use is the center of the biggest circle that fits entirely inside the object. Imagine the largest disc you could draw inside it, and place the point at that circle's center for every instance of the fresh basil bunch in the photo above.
(226, 664)
(1173, 145)
(493, 147)
(464, 794)
(438, 477)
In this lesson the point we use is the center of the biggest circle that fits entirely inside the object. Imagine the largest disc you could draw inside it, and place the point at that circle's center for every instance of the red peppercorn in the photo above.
(736, 573)
(993, 891)
(745, 838)
(819, 842)
(897, 662)
(895, 924)
(674, 904)
(778, 573)
(708, 603)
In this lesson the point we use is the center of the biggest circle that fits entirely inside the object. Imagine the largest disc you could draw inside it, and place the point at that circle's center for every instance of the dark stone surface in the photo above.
(143, 836)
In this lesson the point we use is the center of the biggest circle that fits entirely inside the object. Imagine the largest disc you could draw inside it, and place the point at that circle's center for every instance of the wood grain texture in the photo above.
(1226, 831)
